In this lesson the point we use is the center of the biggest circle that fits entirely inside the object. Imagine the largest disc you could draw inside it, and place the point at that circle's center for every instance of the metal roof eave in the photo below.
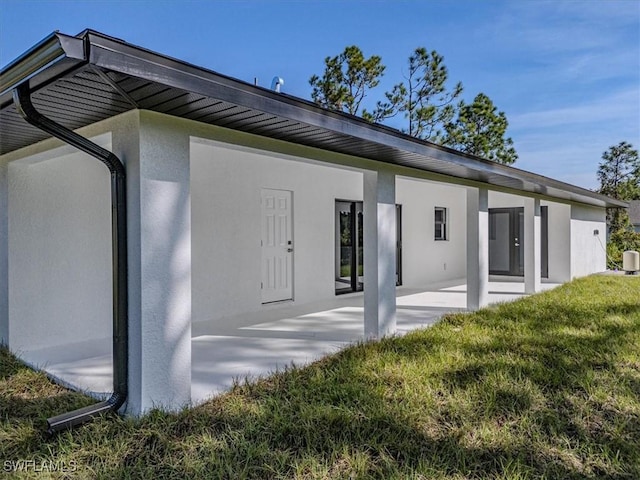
(51, 58)
(59, 54)
(116, 55)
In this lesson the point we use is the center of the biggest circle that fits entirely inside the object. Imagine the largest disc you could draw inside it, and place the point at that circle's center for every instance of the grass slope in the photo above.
(545, 387)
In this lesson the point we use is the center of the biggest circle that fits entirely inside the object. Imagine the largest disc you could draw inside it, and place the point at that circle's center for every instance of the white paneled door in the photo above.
(277, 245)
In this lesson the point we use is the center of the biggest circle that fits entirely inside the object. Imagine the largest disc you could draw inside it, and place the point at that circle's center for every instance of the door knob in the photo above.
(289, 250)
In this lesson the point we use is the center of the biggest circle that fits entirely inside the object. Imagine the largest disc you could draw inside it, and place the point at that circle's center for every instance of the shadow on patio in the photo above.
(258, 343)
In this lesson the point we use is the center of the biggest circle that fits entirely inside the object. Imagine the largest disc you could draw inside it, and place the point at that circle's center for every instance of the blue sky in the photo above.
(566, 73)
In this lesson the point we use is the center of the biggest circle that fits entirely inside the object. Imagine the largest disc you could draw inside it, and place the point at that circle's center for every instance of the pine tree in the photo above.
(619, 176)
(346, 80)
(424, 100)
(480, 130)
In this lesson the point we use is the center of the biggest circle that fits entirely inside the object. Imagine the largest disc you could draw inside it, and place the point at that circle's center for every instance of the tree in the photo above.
(620, 241)
(619, 176)
(479, 130)
(347, 78)
(619, 172)
(424, 100)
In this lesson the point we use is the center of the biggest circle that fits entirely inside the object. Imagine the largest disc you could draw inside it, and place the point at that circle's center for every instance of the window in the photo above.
(441, 223)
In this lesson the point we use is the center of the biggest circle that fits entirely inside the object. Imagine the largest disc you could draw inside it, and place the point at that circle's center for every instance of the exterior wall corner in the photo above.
(159, 223)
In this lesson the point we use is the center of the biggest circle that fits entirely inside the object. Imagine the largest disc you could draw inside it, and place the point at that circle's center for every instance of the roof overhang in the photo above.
(78, 80)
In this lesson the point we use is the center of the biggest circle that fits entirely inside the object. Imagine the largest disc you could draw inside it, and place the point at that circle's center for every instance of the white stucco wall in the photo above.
(559, 223)
(4, 253)
(588, 254)
(155, 150)
(226, 183)
(504, 200)
(425, 260)
(60, 249)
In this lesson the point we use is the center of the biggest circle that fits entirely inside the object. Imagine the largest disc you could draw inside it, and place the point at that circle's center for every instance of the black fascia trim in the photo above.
(51, 58)
(117, 55)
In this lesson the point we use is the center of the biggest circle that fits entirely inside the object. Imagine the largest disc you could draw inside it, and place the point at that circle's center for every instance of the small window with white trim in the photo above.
(441, 230)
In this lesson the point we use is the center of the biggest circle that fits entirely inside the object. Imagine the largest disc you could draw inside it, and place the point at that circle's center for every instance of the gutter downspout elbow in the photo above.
(24, 106)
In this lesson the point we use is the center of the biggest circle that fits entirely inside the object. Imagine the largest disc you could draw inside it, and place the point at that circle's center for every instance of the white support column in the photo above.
(379, 254)
(159, 219)
(477, 248)
(4, 254)
(532, 245)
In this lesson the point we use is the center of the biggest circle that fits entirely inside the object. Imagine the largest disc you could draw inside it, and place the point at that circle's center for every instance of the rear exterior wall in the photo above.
(226, 183)
(588, 240)
(60, 250)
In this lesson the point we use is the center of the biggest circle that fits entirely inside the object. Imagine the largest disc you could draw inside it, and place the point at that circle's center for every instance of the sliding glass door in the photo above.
(349, 266)
(349, 249)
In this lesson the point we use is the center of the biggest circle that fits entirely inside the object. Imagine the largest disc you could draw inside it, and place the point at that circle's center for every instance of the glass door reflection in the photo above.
(349, 271)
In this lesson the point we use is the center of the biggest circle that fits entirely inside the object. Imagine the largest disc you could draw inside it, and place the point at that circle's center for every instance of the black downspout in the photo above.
(22, 101)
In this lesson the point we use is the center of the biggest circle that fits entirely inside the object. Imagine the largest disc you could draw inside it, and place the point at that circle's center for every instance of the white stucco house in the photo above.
(221, 198)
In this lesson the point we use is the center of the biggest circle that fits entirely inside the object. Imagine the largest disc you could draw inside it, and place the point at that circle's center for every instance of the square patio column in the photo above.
(159, 222)
(379, 253)
(477, 248)
(4, 254)
(532, 245)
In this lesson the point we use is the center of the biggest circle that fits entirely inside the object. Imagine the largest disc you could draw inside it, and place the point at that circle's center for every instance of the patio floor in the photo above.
(257, 344)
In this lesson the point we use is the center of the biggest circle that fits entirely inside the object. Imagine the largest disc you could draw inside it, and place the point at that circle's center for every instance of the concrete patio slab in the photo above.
(258, 343)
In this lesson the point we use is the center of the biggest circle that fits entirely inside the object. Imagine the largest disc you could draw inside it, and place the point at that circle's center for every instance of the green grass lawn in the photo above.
(545, 387)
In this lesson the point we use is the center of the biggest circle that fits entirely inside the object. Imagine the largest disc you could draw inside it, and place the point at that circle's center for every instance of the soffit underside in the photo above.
(86, 98)
(91, 95)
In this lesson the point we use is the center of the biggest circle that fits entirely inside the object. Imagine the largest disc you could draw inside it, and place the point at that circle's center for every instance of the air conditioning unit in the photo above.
(631, 262)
